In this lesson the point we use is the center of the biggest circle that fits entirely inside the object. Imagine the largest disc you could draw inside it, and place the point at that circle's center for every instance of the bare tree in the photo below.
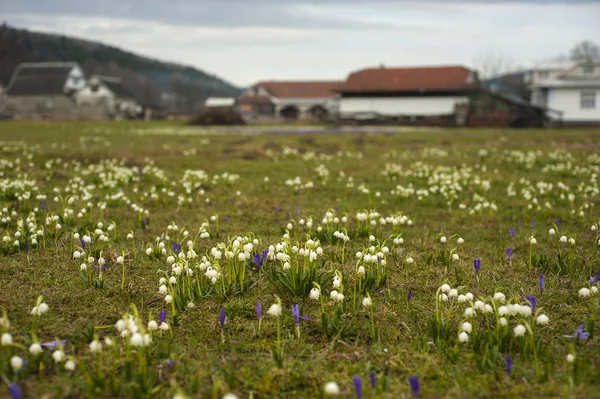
(491, 65)
(585, 50)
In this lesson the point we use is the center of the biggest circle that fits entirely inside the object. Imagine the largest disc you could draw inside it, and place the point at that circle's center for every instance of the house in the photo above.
(406, 93)
(289, 100)
(220, 102)
(571, 87)
(110, 95)
(44, 89)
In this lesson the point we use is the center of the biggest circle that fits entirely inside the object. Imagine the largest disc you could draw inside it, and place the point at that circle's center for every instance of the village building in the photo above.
(572, 88)
(109, 95)
(224, 103)
(289, 100)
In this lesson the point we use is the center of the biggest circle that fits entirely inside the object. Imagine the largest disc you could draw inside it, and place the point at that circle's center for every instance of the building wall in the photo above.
(51, 107)
(397, 106)
(569, 102)
(89, 96)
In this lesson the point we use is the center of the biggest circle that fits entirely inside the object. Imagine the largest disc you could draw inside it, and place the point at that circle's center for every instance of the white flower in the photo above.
(275, 310)
(340, 297)
(333, 294)
(542, 319)
(526, 310)
(552, 232)
(453, 293)
(463, 337)
(336, 282)
(7, 339)
(461, 298)
(446, 288)
(58, 356)
(120, 260)
(164, 326)
(503, 322)
(409, 259)
(469, 296)
(479, 305)
(570, 358)
(572, 241)
(95, 346)
(70, 365)
(455, 256)
(469, 312)
(152, 325)
(594, 289)
(467, 327)
(130, 236)
(76, 255)
(563, 239)
(162, 289)
(35, 349)
(519, 330)
(443, 239)
(532, 240)
(148, 251)
(584, 292)
(230, 396)
(367, 302)
(332, 389)
(315, 293)
(503, 310)
(489, 308)
(16, 363)
(137, 340)
(168, 299)
(500, 297)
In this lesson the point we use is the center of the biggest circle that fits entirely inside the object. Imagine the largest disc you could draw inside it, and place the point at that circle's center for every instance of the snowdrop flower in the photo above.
(542, 319)
(130, 236)
(152, 325)
(503, 310)
(136, 340)
(95, 346)
(340, 297)
(445, 288)
(170, 260)
(315, 293)
(503, 322)
(148, 251)
(479, 305)
(552, 232)
(570, 358)
(469, 296)
(584, 292)
(336, 282)
(453, 293)
(162, 289)
(463, 337)
(594, 290)
(469, 312)
(572, 241)
(455, 256)
(499, 296)
(367, 302)
(519, 330)
(361, 271)
(230, 396)
(467, 327)
(532, 240)
(526, 310)
(563, 239)
(443, 297)
(443, 239)
(58, 356)
(460, 241)
(461, 298)
(489, 308)
(7, 339)
(332, 389)
(168, 299)
(76, 255)
(70, 365)
(409, 259)
(120, 260)
(35, 349)
(16, 363)
(275, 310)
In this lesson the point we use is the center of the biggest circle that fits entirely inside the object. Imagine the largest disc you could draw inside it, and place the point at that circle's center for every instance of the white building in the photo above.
(396, 93)
(289, 100)
(571, 88)
(220, 102)
(110, 94)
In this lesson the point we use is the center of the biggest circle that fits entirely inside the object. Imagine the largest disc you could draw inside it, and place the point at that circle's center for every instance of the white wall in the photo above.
(568, 101)
(88, 96)
(396, 106)
(75, 80)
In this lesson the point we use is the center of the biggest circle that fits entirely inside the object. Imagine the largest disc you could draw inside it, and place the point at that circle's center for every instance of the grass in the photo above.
(395, 338)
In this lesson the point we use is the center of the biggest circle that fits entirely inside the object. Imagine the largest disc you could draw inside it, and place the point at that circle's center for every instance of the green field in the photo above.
(201, 225)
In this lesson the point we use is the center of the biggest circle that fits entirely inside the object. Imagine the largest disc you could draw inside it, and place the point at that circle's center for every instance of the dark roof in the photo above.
(34, 79)
(253, 100)
(446, 78)
(300, 89)
(117, 87)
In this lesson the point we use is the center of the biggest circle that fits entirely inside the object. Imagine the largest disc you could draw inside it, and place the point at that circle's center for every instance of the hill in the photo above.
(153, 81)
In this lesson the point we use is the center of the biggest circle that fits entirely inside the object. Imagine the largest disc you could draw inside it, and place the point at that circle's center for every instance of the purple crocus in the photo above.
(358, 386)
(296, 314)
(532, 223)
(557, 222)
(256, 259)
(509, 365)
(53, 345)
(415, 387)
(373, 379)
(580, 334)
(15, 391)
(509, 253)
(512, 231)
(258, 310)
(337, 209)
(477, 265)
(542, 283)
(520, 223)
(82, 244)
(222, 317)
(533, 302)
(226, 219)
(170, 363)
(263, 259)
(27, 247)
(162, 316)
(410, 295)
(176, 248)
(596, 279)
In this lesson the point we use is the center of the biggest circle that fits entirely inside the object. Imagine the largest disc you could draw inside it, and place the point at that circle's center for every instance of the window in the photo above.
(544, 74)
(588, 69)
(588, 100)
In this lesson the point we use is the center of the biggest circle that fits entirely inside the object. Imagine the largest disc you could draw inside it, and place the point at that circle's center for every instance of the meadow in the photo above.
(155, 260)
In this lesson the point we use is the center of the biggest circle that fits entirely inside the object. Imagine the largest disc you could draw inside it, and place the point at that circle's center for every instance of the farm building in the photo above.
(110, 95)
(44, 89)
(220, 103)
(441, 96)
(299, 100)
(573, 88)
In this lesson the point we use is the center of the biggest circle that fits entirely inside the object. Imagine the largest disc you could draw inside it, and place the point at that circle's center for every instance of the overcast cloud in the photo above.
(248, 40)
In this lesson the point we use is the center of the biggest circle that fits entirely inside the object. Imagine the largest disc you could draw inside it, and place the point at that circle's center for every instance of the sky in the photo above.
(244, 41)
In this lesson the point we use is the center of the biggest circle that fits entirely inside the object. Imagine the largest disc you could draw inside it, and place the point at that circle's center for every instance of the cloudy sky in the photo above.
(245, 41)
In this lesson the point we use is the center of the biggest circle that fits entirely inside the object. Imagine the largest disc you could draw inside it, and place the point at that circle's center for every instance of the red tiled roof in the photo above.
(408, 79)
(300, 89)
